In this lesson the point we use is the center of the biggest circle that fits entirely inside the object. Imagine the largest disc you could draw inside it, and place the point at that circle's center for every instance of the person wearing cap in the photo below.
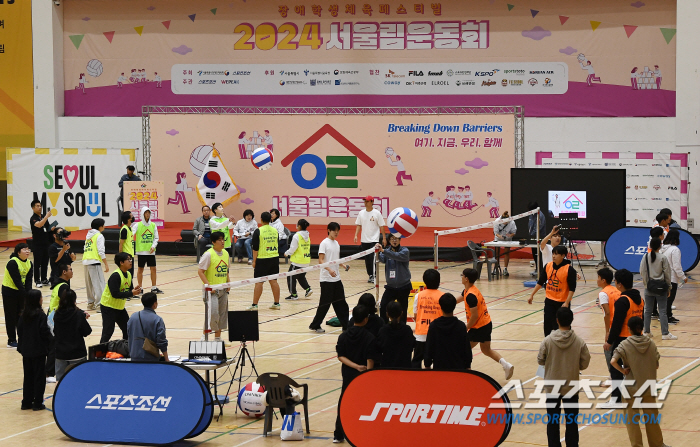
(371, 223)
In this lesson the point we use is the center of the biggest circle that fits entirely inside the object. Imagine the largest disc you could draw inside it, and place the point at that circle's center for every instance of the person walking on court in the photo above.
(146, 241)
(332, 291)
(398, 276)
(641, 359)
(93, 256)
(214, 268)
(370, 224)
(426, 308)
(447, 344)
(266, 260)
(395, 341)
(656, 276)
(34, 338)
(563, 355)
(16, 283)
(559, 279)
(479, 322)
(113, 302)
(299, 255)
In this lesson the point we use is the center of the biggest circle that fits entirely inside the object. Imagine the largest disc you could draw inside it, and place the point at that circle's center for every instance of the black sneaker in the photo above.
(156, 290)
(38, 407)
(292, 297)
(371, 279)
(26, 407)
(45, 282)
(673, 320)
(39, 285)
(12, 344)
(505, 272)
(309, 292)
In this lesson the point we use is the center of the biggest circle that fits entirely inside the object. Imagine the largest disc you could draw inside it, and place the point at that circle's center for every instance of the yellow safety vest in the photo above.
(302, 255)
(268, 242)
(128, 246)
(55, 298)
(225, 230)
(217, 273)
(144, 236)
(116, 303)
(90, 250)
(23, 266)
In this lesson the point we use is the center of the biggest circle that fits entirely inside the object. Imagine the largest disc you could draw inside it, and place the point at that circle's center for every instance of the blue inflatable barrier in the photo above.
(129, 402)
(626, 247)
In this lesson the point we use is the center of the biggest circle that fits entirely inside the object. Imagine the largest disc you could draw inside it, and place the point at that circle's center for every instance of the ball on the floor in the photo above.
(403, 222)
(250, 400)
(261, 158)
(198, 159)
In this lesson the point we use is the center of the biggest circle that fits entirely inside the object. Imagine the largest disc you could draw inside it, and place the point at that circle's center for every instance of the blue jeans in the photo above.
(248, 242)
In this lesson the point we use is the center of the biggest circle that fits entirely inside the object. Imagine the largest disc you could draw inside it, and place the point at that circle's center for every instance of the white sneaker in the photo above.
(607, 382)
(648, 334)
(669, 336)
(673, 308)
(218, 339)
(609, 405)
(50, 380)
(203, 338)
(509, 370)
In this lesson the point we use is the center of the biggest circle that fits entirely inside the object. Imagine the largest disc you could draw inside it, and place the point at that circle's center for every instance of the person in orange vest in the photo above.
(426, 308)
(629, 304)
(479, 321)
(559, 280)
(606, 300)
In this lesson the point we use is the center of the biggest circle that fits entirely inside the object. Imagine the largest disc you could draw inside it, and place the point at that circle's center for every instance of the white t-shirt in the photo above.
(547, 255)
(371, 222)
(603, 298)
(331, 250)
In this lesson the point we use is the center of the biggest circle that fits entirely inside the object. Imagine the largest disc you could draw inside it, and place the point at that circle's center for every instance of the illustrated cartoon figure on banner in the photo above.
(134, 77)
(216, 184)
(121, 80)
(427, 203)
(493, 205)
(450, 196)
(81, 82)
(180, 193)
(268, 140)
(557, 204)
(399, 164)
(242, 145)
(468, 199)
(158, 80)
(633, 78)
(657, 74)
(586, 65)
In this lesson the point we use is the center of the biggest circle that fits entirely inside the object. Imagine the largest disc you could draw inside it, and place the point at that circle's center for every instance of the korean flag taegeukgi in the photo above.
(216, 184)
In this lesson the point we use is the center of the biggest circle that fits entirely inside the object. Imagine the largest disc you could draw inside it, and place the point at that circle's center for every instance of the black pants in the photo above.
(41, 262)
(34, 381)
(418, 352)
(369, 259)
(571, 435)
(339, 433)
(550, 315)
(12, 303)
(111, 316)
(50, 367)
(671, 298)
(392, 294)
(292, 280)
(616, 375)
(332, 293)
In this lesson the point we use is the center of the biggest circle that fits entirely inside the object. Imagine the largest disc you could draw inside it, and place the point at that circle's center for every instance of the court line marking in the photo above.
(26, 431)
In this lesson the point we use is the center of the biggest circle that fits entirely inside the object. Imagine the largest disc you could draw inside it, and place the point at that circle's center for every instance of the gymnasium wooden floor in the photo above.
(287, 346)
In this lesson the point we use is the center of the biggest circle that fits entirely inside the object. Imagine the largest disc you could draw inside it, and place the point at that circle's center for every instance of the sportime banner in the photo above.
(74, 185)
(322, 166)
(556, 59)
(626, 248)
(654, 180)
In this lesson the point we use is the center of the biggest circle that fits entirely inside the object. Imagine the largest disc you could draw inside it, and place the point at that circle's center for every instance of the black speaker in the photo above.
(243, 325)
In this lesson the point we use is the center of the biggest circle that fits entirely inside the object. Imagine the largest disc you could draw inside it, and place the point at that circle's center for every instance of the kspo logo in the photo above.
(335, 166)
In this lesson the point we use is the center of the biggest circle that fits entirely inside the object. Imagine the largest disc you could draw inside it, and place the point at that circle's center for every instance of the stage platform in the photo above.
(452, 247)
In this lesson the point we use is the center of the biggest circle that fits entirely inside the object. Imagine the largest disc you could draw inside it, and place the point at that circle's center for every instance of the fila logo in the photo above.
(428, 414)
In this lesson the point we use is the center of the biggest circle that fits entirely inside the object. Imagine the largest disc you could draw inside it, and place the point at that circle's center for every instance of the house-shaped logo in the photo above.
(573, 204)
(147, 235)
(222, 267)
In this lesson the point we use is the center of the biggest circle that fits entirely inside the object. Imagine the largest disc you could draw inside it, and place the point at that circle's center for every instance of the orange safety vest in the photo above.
(557, 288)
(635, 310)
(613, 295)
(427, 309)
(483, 312)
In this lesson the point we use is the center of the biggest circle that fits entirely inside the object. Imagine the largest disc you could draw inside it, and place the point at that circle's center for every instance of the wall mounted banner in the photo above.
(74, 185)
(398, 412)
(122, 407)
(626, 247)
(325, 164)
(654, 180)
(554, 58)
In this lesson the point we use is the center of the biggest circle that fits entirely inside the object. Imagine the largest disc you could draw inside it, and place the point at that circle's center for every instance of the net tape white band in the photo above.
(311, 268)
(485, 225)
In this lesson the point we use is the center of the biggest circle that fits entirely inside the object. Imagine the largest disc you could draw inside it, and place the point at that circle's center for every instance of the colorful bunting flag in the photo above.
(192, 16)
(139, 29)
(213, 11)
(166, 24)
(668, 34)
(629, 29)
(563, 19)
(76, 39)
(510, 7)
(534, 12)
(109, 35)
(595, 25)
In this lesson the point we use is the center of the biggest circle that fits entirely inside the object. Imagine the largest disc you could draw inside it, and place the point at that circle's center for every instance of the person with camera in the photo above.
(40, 243)
(59, 252)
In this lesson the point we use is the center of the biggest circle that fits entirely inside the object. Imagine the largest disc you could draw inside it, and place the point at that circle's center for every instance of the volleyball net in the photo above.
(480, 235)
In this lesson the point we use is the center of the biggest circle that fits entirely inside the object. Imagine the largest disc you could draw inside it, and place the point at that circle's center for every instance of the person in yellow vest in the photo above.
(479, 321)
(126, 237)
(299, 255)
(93, 256)
(426, 308)
(15, 285)
(119, 288)
(266, 260)
(214, 268)
(559, 279)
(219, 222)
(145, 243)
(606, 301)
(61, 283)
(629, 304)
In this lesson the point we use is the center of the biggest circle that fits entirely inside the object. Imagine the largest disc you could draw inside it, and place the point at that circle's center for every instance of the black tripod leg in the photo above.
(233, 377)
